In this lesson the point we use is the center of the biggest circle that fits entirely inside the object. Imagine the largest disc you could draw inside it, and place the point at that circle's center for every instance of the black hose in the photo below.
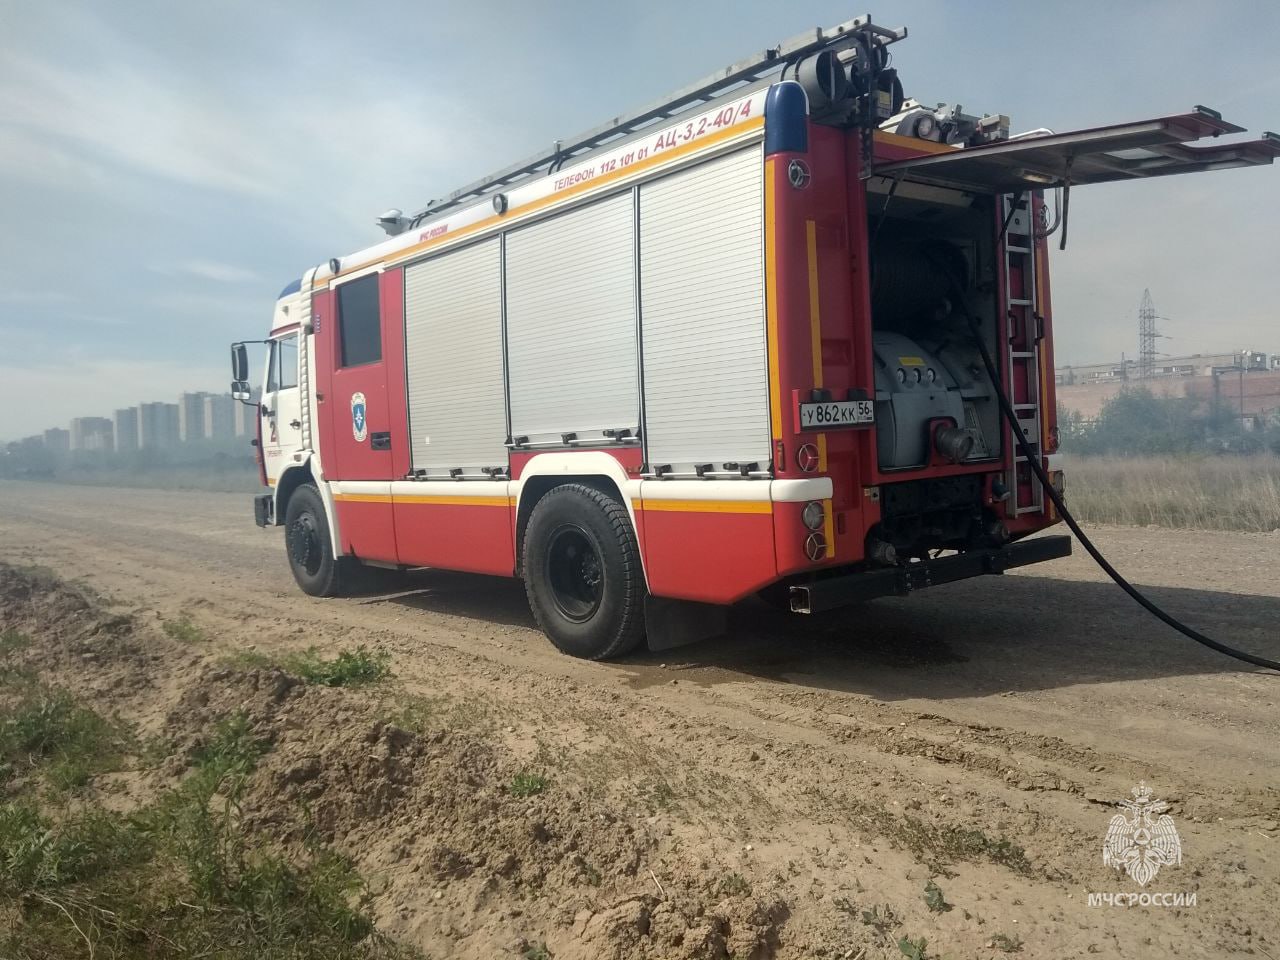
(1034, 460)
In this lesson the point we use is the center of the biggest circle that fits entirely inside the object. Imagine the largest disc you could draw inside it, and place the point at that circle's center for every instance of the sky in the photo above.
(165, 169)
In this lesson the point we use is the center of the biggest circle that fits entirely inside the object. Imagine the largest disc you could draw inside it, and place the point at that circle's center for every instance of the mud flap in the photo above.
(675, 623)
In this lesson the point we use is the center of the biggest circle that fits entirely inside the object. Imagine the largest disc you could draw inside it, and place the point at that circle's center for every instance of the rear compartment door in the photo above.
(1126, 151)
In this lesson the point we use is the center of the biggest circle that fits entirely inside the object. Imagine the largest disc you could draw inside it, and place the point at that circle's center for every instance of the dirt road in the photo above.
(978, 735)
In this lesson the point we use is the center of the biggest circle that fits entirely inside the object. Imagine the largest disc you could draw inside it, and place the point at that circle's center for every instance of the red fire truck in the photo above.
(732, 343)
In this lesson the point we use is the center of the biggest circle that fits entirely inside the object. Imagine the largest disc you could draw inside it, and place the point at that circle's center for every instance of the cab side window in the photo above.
(282, 371)
(359, 328)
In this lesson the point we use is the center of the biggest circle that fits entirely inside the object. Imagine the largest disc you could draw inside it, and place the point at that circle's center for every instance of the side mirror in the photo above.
(240, 390)
(239, 363)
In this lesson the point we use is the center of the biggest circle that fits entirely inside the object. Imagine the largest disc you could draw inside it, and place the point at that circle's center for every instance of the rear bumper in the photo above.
(264, 506)
(899, 581)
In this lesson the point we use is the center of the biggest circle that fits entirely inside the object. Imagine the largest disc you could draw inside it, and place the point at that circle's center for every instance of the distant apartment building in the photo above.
(219, 417)
(1195, 365)
(91, 433)
(246, 415)
(125, 429)
(57, 440)
(191, 416)
(158, 426)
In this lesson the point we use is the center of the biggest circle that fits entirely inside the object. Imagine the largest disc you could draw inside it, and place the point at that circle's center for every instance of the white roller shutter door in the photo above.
(453, 358)
(702, 314)
(571, 324)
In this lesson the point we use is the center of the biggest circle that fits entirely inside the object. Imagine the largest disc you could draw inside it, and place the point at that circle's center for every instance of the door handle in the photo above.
(380, 441)
(296, 424)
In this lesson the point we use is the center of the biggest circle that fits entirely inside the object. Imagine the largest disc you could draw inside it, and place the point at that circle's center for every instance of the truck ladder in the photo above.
(732, 80)
(1024, 332)
(304, 362)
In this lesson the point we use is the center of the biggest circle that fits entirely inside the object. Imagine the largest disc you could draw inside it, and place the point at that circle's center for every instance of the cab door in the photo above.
(354, 413)
(280, 408)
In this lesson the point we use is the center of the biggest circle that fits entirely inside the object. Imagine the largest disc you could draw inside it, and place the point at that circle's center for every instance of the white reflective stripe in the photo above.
(343, 487)
(1055, 461)
(795, 491)
(743, 491)
(450, 489)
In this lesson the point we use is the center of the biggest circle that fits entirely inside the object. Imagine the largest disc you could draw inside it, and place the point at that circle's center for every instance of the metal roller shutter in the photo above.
(702, 314)
(571, 324)
(453, 344)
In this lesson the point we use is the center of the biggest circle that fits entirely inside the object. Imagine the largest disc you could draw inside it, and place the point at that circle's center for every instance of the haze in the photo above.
(165, 170)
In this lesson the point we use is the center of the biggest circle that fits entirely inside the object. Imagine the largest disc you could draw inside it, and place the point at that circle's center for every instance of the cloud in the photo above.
(211, 270)
(119, 112)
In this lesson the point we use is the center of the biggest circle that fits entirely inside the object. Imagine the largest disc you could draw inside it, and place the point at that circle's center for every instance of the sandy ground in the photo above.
(831, 764)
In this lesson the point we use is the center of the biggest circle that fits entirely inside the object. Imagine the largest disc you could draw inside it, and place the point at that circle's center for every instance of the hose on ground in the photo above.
(1037, 468)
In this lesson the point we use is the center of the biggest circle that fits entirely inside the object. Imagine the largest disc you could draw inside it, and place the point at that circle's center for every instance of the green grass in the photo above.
(180, 877)
(11, 641)
(348, 669)
(528, 784)
(183, 630)
(47, 732)
(735, 885)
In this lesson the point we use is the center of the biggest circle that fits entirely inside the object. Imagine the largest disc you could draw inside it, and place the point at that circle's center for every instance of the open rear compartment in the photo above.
(935, 277)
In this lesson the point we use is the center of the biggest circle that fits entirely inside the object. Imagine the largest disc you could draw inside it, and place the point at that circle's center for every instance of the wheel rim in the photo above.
(576, 573)
(304, 544)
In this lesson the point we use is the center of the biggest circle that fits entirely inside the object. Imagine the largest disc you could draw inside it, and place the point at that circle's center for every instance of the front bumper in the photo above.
(898, 581)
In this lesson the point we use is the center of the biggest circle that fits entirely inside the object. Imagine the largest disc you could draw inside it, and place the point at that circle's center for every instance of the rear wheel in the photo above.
(309, 548)
(582, 573)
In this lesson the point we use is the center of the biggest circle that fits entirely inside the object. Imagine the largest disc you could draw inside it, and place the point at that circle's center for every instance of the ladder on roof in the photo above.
(731, 80)
(1025, 335)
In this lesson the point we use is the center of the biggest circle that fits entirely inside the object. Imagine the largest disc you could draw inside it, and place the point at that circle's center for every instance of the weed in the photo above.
(933, 898)
(528, 784)
(536, 951)
(882, 922)
(183, 630)
(1006, 943)
(735, 885)
(931, 841)
(48, 729)
(412, 712)
(250, 660)
(912, 949)
(348, 669)
(1203, 493)
(845, 905)
(12, 641)
(180, 877)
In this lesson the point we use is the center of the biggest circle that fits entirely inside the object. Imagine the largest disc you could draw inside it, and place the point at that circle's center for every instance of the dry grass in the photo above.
(1200, 493)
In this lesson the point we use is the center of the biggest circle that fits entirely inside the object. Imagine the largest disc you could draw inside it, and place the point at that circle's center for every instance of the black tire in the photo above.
(308, 546)
(582, 573)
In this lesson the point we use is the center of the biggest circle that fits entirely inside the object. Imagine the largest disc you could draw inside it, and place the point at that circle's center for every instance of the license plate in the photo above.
(836, 413)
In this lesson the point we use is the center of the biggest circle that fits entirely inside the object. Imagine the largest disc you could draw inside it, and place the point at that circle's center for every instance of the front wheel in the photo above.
(307, 542)
(582, 573)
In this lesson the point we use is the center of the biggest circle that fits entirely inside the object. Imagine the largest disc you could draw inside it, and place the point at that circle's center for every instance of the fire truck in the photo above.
(750, 339)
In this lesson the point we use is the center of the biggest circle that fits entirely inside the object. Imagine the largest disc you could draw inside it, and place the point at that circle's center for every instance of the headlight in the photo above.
(930, 375)
(902, 375)
(813, 515)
